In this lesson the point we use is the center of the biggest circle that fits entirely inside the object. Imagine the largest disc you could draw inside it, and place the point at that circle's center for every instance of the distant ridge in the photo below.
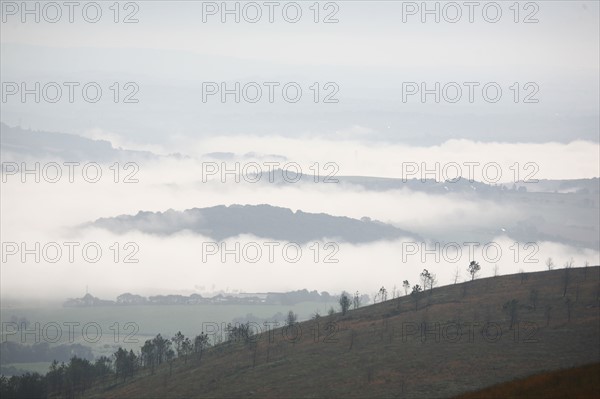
(265, 221)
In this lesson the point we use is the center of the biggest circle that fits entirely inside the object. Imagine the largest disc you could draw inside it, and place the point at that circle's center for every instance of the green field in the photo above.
(38, 367)
(130, 326)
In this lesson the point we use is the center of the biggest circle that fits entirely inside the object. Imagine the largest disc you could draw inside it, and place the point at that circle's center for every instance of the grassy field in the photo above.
(38, 367)
(459, 340)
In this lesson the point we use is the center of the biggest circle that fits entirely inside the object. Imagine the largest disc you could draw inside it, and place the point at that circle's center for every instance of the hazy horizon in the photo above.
(361, 69)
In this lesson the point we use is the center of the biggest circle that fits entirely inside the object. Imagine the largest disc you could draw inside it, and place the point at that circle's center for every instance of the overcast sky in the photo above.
(369, 55)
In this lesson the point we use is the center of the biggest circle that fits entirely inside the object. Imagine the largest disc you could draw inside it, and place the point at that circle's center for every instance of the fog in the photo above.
(373, 128)
(56, 213)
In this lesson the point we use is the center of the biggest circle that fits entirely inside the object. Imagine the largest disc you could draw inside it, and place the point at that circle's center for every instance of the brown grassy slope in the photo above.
(578, 382)
(377, 351)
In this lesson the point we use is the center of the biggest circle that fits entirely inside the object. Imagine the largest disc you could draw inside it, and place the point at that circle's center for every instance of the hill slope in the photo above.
(458, 340)
(265, 221)
(579, 382)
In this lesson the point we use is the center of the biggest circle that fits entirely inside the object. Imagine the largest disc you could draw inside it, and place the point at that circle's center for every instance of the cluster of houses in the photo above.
(270, 298)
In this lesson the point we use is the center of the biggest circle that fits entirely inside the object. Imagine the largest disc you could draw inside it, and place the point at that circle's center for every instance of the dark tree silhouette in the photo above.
(415, 294)
(344, 303)
(292, 318)
(200, 344)
(178, 341)
(473, 269)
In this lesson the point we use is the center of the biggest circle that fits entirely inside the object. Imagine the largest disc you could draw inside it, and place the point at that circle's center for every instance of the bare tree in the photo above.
(356, 301)
(383, 294)
(549, 264)
(425, 276)
(432, 282)
(496, 270)
(473, 269)
(456, 274)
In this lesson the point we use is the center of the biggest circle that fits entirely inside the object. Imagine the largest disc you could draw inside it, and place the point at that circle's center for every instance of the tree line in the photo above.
(75, 377)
